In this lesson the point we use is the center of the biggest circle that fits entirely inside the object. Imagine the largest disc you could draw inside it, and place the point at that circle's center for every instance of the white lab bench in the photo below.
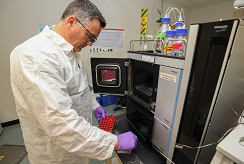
(230, 150)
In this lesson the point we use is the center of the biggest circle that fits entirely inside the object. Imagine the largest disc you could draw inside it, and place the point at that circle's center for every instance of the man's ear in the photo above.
(70, 22)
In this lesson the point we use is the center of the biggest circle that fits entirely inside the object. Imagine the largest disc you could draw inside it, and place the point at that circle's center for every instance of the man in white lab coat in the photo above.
(53, 101)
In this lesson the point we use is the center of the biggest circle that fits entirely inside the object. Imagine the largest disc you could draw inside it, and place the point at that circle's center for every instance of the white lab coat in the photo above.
(54, 104)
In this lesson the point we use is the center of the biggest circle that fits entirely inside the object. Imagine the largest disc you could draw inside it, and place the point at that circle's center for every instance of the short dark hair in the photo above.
(85, 11)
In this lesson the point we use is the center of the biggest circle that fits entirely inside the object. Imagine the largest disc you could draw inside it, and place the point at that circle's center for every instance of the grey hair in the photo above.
(85, 11)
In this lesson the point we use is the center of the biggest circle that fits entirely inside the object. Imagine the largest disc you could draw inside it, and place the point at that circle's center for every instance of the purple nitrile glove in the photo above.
(100, 113)
(127, 141)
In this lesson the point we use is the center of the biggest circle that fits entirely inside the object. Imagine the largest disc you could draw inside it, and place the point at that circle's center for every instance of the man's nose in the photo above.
(89, 43)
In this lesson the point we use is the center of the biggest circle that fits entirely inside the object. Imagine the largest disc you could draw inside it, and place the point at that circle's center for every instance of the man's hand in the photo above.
(127, 142)
(100, 113)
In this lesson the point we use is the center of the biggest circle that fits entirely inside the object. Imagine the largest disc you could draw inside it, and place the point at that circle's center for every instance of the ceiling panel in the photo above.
(187, 4)
(194, 4)
(202, 1)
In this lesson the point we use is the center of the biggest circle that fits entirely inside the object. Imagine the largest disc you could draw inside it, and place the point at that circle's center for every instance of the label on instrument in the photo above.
(148, 58)
(169, 48)
(176, 46)
(168, 77)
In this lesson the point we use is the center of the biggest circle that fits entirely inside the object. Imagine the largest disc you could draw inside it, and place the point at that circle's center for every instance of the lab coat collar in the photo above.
(59, 40)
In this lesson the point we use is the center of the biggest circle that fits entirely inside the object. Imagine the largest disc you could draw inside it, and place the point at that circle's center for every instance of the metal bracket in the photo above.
(152, 104)
(126, 64)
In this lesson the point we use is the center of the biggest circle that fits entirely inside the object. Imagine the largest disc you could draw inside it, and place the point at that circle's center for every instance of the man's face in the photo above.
(80, 37)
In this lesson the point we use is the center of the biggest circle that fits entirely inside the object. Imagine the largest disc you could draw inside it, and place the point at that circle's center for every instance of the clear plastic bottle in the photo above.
(161, 32)
(164, 27)
(179, 24)
(170, 34)
(179, 46)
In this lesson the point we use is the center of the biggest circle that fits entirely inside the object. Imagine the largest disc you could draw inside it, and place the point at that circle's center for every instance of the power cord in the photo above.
(162, 153)
(229, 104)
(180, 146)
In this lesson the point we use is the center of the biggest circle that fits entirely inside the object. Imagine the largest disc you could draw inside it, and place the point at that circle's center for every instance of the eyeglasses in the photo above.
(91, 40)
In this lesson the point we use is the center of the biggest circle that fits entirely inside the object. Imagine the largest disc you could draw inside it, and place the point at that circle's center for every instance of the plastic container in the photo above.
(170, 34)
(146, 45)
(179, 24)
(161, 33)
(107, 123)
(108, 99)
(179, 46)
(105, 100)
(113, 99)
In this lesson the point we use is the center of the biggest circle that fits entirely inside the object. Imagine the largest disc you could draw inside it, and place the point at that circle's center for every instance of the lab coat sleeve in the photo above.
(94, 103)
(41, 84)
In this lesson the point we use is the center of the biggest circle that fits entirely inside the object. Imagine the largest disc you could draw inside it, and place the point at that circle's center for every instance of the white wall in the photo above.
(19, 19)
(215, 12)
